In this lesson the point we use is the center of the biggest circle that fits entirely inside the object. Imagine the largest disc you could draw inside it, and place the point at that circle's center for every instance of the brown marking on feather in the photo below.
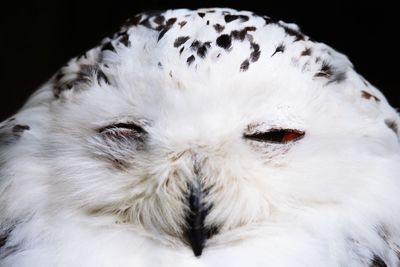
(366, 95)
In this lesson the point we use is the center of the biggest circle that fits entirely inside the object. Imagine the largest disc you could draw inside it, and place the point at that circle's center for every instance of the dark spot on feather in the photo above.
(338, 77)
(325, 70)
(230, 18)
(377, 262)
(245, 65)
(190, 60)
(224, 41)
(125, 39)
(280, 48)
(392, 126)
(108, 46)
(163, 32)
(195, 45)
(19, 129)
(181, 40)
(208, 22)
(101, 77)
(219, 28)
(159, 65)
(255, 54)
(239, 35)
(180, 51)
(159, 20)
(367, 95)
(201, 14)
(250, 28)
(182, 23)
(202, 50)
(235, 34)
(210, 11)
(85, 74)
(171, 21)
(10, 133)
(289, 31)
(306, 52)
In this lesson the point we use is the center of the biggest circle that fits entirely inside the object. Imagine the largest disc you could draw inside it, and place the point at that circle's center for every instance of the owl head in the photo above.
(190, 125)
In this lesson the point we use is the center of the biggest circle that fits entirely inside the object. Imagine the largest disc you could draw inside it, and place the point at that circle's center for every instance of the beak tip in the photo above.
(196, 242)
(198, 251)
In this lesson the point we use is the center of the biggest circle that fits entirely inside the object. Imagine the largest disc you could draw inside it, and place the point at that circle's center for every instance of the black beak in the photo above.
(196, 234)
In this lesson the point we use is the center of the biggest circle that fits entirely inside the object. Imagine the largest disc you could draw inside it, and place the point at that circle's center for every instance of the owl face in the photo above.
(191, 124)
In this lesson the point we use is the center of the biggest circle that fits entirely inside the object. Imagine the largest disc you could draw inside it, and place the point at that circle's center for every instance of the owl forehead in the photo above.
(186, 46)
(223, 42)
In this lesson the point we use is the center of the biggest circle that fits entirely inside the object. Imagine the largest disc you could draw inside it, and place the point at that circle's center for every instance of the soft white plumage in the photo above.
(293, 157)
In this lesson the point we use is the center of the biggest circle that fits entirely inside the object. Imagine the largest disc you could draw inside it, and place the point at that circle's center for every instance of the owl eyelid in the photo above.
(278, 136)
(123, 131)
(123, 125)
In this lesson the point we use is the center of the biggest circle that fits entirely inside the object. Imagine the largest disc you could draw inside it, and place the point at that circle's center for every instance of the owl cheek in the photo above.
(270, 153)
(117, 155)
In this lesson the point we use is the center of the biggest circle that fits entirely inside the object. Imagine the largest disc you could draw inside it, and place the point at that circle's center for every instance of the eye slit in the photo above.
(280, 136)
(124, 130)
(124, 125)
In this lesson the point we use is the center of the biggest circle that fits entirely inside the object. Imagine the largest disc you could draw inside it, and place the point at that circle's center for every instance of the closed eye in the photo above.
(279, 136)
(124, 131)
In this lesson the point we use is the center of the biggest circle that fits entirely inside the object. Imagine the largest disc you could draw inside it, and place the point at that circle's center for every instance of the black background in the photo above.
(40, 36)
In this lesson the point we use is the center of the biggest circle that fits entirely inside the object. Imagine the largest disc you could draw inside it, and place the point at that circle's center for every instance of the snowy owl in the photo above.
(202, 138)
